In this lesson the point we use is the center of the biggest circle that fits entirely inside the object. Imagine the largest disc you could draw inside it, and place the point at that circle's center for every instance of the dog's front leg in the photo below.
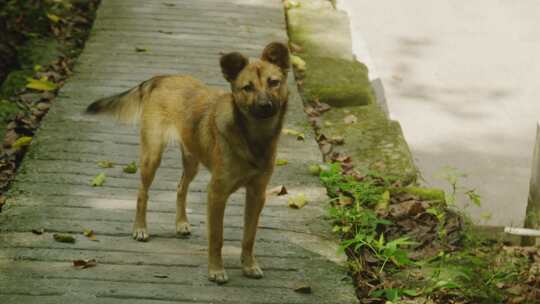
(255, 199)
(217, 199)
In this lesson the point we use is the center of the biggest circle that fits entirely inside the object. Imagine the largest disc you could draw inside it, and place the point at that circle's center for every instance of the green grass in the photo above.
(476, 270)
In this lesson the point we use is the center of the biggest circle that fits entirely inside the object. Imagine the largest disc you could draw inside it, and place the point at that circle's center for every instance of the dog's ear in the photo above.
(277, 53)
(232, 64)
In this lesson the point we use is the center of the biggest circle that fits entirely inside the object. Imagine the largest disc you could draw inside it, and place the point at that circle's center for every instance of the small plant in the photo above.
(459, 267)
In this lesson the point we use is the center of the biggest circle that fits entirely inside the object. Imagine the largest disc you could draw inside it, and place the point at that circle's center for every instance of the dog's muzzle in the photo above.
(264, 109)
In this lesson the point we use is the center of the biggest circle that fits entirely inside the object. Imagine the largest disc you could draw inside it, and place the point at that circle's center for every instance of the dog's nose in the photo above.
(264, 109)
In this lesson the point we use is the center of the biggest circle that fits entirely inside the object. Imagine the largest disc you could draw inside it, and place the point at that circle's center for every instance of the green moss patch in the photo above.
(323, 41)
(337, 82)
(374, 142)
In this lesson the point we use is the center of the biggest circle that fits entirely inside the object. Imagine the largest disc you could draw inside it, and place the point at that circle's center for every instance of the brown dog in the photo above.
(233, 134)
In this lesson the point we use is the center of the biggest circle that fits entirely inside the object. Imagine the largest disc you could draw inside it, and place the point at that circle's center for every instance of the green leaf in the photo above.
(41, 85)
(410, 292)
(98, 180)
(281, 162)
(63, 238)
(21, 142)
(391, 294)
(105, 164)
(131, 168)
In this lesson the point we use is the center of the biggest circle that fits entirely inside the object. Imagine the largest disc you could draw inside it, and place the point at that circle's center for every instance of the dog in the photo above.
(233, 134)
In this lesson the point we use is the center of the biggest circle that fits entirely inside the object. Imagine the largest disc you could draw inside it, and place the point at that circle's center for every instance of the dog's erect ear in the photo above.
(232, 64)
(278, 54)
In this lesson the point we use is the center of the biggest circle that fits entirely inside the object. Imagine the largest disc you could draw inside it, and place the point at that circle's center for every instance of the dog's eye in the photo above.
(248, 88)
(273, 83)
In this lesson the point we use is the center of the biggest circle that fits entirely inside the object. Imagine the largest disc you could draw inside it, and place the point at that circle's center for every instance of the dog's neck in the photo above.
(260, 134)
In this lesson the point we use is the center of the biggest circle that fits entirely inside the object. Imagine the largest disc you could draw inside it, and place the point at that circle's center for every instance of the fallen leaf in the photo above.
(169, 4)
(89, 233)
(140, 50)
(279, 190)
(281, 162)
(303, 288)
(298, 63)
(350, 119)
(344, 201)
(83, 264)
(161, 276)
(337, 140)
(41, 85)
(299, 135)
(323, 107)
(295, 48)
(131, 168)
(314, 170)
(21, 142)
(105, 164)
(298, 201)
(291, 4)
(38, 231)
(63, 238)
(98, 180)
(54, 18)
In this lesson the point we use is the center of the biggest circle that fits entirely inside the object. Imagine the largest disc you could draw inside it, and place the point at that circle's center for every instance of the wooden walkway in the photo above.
(133, 40)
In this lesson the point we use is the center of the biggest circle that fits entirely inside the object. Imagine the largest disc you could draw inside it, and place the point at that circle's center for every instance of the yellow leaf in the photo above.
(98, 180)
(299, 135)
(41, 84)
(54, 18)
(281, 162)
(21, 142)
(298, 63)
(297, 201)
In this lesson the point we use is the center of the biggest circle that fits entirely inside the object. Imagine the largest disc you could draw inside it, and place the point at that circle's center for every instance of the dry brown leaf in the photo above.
(350, 119)
(303, 288)
(84, 263)
(38, 231)
(279, 190)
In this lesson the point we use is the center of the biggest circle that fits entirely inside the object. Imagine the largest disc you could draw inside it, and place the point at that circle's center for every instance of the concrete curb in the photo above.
(374, 141)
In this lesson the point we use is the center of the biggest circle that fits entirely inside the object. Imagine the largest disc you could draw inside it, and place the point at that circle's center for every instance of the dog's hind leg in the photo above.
(191, 167)
(255, 199)
(153, 142)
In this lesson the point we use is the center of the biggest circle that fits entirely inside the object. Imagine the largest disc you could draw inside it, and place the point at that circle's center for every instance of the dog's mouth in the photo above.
(264, 111)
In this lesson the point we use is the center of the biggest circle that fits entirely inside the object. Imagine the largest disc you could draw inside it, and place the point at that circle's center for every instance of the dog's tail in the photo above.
(125, 107)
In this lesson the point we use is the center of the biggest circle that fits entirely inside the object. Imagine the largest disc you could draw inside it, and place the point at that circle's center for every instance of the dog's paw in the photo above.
(254, 271)
(183, 229)
(218, 276)
(140, 234)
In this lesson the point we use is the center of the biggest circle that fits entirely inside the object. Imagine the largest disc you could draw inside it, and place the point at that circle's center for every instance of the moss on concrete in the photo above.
(337, 82)
(424, 194)
(374, 142)
(321, 37)
(332, 75)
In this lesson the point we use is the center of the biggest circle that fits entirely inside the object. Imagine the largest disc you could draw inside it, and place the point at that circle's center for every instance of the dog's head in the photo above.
(259, 87)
